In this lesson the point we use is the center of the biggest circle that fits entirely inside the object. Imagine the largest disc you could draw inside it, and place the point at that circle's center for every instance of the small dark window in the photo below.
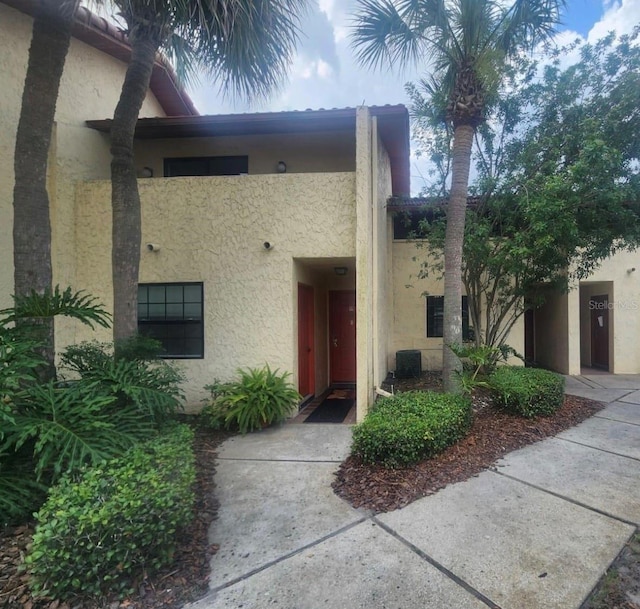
(206, 166)
(435, 317)
(173, 314)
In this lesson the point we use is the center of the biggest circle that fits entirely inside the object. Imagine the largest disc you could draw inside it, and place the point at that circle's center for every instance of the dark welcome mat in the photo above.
(330, 411)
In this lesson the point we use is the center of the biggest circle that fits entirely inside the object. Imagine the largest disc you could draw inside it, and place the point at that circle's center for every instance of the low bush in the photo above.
(259, 398)
(115, 521)
(411, 426)
(528, 392)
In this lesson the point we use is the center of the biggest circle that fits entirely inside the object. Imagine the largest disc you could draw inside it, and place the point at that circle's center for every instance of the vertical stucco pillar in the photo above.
(364, 262)
(573, 331)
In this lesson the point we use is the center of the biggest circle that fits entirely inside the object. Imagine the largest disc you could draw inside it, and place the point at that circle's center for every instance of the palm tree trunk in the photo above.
(31, 221)
(454, 240)
(125, 198)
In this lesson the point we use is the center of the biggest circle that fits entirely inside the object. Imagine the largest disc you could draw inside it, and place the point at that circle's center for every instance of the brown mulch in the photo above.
(184, 581)
(492, 434)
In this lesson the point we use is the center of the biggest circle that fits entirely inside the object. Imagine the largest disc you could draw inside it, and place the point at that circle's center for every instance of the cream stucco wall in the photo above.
(364, 262)
(328, 151)
(410, 312)
(212, 230)
(89, 88)
(382, 298)
(615, 278)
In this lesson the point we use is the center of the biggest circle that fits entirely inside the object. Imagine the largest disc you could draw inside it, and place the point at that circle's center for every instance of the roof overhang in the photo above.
(106, 37)
(393, 127)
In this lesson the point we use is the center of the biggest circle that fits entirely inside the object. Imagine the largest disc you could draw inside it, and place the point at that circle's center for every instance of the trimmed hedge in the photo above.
(116, 521)
(527, 392)
(410, 427)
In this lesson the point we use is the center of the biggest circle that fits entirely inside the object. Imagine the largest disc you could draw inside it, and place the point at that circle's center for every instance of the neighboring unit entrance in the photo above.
(342, 337)
(599, 307)
(306, 360)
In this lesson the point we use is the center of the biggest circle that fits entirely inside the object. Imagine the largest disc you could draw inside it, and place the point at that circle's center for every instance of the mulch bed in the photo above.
(493, 434)
(184, 581)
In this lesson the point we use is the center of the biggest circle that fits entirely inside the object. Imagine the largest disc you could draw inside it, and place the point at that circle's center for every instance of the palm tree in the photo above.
(465, 44)
(31, 221)
(244, 45)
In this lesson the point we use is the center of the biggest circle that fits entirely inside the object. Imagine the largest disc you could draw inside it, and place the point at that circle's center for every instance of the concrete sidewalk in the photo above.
(537, 531)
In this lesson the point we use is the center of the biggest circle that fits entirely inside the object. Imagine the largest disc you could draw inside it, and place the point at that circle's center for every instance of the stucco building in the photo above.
(266, 238)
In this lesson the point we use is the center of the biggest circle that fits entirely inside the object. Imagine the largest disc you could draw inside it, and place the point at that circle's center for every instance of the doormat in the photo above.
(331, 411)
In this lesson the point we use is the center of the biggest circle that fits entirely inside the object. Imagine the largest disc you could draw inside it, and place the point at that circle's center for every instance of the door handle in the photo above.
(335, 342)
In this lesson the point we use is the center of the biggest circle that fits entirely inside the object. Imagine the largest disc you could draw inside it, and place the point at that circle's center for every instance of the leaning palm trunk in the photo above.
(454, 241)
(125, 198)
(31, 221)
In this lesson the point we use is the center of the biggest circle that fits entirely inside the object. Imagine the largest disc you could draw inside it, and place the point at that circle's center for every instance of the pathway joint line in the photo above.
(565, 498)
(434, 563)
(598, 415)
(279, 460)
(275, 561)
(603, 450)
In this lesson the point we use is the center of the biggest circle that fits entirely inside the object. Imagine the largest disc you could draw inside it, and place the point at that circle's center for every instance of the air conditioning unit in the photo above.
(408, 364)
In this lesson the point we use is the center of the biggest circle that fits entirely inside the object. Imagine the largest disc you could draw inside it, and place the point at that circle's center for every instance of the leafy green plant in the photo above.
(153, 386)
(100, 532)
(528, 392)
(215, 412)
(77, 305)
(479, 361)
(411, 426)
(259, 398)
(48, 429)
(68, 427)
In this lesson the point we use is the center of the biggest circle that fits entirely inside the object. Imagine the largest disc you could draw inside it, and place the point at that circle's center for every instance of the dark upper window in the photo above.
(173, 314)
(206, 166)
(435, 317)
(407, 224)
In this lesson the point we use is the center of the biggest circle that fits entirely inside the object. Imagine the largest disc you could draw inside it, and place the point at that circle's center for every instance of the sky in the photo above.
(324, 73)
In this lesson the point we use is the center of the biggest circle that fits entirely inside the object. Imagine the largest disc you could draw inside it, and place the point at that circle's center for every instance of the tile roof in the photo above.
(108, 38)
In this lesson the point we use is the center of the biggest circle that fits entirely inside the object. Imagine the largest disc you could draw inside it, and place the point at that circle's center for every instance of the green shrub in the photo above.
(259, 398)
(114, 522)
(411, 426)
(528, 392)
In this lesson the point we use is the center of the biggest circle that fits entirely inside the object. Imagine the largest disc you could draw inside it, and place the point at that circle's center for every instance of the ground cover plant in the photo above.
(528, 392)
(413, 426)
(98, 533)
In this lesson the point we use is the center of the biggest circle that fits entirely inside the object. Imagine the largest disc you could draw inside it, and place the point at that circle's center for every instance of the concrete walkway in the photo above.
(537, 531)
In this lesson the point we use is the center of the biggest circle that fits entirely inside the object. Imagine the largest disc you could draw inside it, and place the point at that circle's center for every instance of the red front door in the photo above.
(306, 360)
(599, 306)
(342, 336)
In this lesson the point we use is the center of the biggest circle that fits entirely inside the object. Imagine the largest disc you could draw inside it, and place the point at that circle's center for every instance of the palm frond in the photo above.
(249, 44)
(78, 305)
(527, 23)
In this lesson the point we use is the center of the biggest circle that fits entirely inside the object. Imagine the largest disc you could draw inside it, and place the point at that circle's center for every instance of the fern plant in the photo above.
(259, 398)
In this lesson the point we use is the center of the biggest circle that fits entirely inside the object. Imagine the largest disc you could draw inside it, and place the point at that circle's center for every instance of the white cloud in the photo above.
(620, 16)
